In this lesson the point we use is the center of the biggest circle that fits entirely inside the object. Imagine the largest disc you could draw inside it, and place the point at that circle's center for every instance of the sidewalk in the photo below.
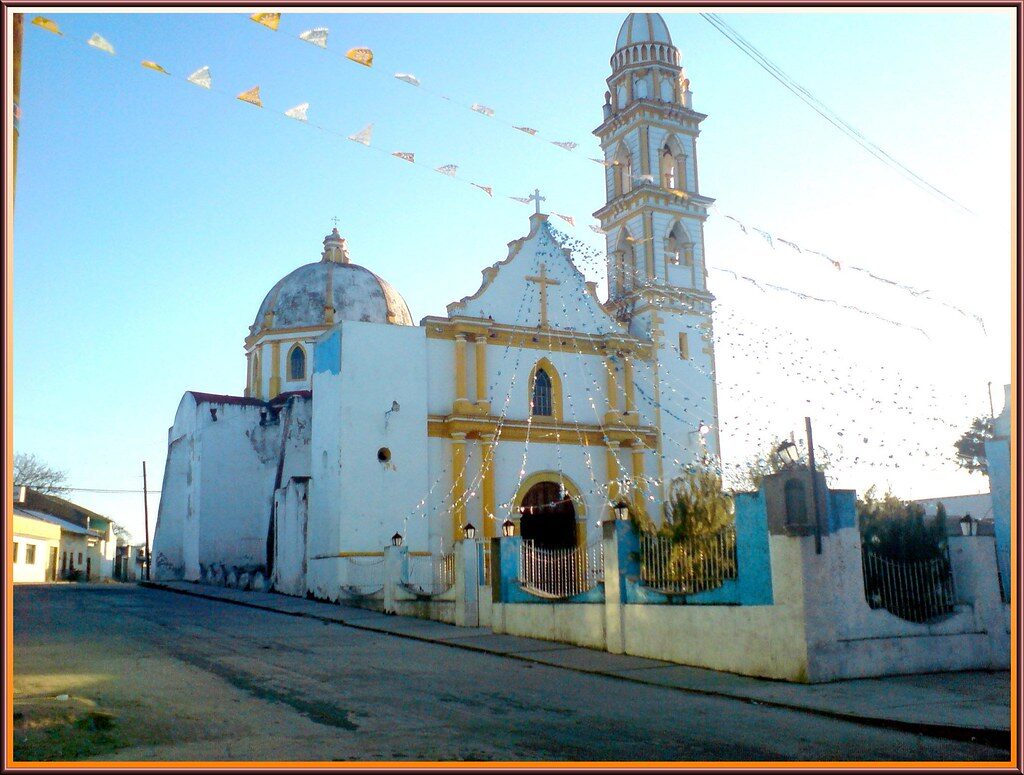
(963, 706)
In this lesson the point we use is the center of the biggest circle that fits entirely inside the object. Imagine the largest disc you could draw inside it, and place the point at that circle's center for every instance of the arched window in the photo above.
(542, 403)
(623, 171)
(678, 248)
(297, 363)
(669, 170)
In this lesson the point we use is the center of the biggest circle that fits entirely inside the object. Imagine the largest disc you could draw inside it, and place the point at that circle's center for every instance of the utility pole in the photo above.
(814, 486)
(991, 406)
(145, 512)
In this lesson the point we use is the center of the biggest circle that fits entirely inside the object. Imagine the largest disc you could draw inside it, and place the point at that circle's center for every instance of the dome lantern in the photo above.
(335, 248)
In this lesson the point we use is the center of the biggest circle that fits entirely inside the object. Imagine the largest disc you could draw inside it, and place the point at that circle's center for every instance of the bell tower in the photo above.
(653, 220)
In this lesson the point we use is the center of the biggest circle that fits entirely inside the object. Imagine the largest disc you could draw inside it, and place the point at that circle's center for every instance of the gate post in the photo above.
(396, 572)
(615, 565)
(467, 583)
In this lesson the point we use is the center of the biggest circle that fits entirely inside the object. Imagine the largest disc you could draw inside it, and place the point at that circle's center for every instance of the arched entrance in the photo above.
(548, 517)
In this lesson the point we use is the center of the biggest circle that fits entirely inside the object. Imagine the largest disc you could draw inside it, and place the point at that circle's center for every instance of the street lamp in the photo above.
(508, 528)
(787, 454)
(968, 525)
(468, 531)
(621, 510)
(397, 540)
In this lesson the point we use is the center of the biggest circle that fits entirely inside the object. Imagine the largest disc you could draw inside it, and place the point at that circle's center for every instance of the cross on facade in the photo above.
(536, 197)
(334, 220)
(544, 282)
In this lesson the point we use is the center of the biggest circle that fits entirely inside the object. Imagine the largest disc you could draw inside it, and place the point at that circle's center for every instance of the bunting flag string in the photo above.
(47, 24)
(271, 20)
(362, 56)
(317, 36)
(252, 96)
(98, 41)
(363, 135)
(298, 112)
(482, 109)
(202, 77)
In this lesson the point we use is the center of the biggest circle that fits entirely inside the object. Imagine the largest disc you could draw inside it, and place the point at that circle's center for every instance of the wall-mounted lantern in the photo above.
(508, 528)
(469, 531)
(397, 540)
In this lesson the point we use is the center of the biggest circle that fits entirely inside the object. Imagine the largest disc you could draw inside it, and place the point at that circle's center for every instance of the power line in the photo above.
(824, 111)
(103, 490)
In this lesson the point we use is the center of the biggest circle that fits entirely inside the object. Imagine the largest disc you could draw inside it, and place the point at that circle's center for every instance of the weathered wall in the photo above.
(290, 512)
(43, 536)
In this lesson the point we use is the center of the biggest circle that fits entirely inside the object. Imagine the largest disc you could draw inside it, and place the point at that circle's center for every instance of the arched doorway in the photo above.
(548, 517)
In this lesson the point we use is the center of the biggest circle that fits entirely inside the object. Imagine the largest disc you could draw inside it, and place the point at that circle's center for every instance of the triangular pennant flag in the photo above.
(482, 109)
(410, 157)
(679, 193)
(408, 78)
(525, 200)
(154, 66)
(252, 97)
(317, 36)
(448, 169)
(298, 112)
(363, 135)
(98, 41)
(767, 237)
(202, 77)
(486, 189)
(47, 24)
(567, 145)
(791, 244)
(604, 163)
(271, 20)
(528, 130)
(597, 229)
(567, 218)
(362, 56)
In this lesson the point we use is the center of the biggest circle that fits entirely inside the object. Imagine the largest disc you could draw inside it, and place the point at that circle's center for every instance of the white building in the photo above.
(531, 400)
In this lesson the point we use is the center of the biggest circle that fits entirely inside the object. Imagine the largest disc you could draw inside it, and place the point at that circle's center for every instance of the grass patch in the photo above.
(46, 732)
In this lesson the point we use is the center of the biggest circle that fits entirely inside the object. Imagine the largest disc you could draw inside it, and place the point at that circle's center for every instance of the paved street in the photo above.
(151, 675)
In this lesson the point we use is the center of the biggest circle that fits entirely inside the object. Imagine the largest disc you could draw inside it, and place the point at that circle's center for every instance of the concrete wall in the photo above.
(223, 461)
(290, 514)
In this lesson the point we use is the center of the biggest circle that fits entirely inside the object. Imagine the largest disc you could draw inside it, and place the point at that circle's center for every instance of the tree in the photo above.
(30, 471)
(970, 447)
(895, 528)
(121, 533)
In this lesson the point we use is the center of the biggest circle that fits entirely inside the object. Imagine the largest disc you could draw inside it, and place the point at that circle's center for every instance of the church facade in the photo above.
(531, 401)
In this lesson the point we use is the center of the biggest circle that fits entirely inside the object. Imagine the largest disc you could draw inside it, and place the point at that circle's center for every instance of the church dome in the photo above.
(330, 290)
(643, 28)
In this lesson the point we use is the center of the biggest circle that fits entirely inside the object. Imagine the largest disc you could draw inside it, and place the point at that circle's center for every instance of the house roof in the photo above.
(65, 526)
(63, 509)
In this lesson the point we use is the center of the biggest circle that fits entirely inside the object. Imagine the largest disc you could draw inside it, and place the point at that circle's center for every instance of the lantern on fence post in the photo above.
(787, 454)
(621, 510)
(469, 531)
(508, 528)
(397, 540)
(968, 525)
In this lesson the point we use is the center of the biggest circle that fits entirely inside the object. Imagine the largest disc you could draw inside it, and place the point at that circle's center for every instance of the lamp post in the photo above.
(469, 531)
(621, 510)
(787, 454)
(968, 525)
(397, 540)
(508, 528)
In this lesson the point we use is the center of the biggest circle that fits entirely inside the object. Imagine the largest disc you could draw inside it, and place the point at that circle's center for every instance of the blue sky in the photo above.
(152, 216)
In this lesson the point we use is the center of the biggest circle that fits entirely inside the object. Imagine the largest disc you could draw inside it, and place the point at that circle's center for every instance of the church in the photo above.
(531, 402)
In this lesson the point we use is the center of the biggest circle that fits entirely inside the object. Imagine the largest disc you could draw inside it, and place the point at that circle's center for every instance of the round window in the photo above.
(383, 454)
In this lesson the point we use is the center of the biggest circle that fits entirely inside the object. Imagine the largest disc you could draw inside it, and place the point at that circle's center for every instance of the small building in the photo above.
(978, 507)
(85, 541)
(36, 545)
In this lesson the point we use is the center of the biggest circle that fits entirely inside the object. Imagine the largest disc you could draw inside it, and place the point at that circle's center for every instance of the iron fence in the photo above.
(561, 572)
(432, 574)
(364, 575)
(485, 563)
(915, 590)
(692, 565)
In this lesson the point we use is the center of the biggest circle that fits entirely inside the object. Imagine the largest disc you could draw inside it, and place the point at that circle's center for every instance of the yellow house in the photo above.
(36, 544)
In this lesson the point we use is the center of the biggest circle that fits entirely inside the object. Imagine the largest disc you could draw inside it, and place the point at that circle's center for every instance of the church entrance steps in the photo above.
(967, 705)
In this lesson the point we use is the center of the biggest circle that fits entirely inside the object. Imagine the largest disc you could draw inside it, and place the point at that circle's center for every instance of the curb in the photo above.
(996, 738)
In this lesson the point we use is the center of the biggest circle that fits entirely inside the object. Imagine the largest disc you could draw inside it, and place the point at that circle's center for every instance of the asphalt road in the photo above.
(174, 678)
